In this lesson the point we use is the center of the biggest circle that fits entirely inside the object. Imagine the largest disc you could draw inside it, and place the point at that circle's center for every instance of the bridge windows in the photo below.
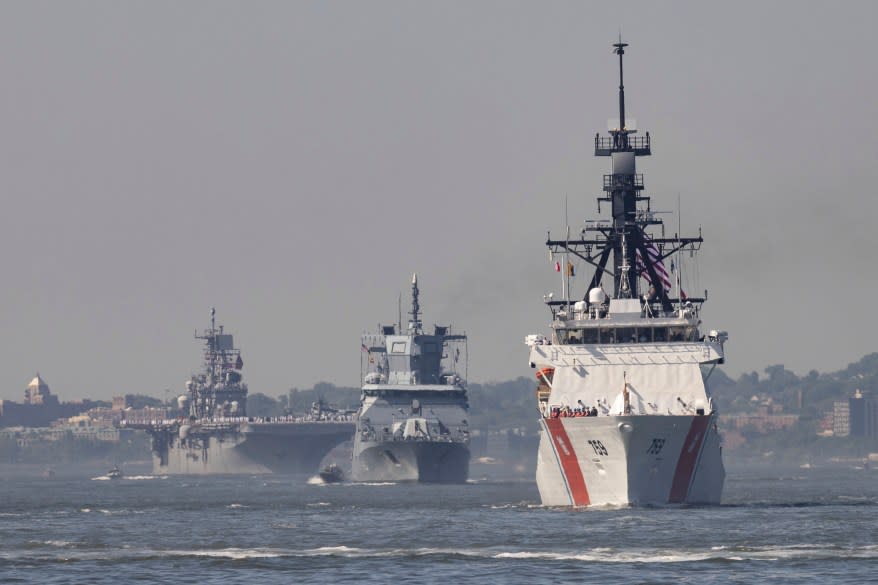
(626, 335)
(607, 335)
(590, 336)
(615, 335)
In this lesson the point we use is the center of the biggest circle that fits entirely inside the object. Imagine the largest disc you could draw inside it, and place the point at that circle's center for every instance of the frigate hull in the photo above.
(419, 461)
(630, 460)
(291, 448)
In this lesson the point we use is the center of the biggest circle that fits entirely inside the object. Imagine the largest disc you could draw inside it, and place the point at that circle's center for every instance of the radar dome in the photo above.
(596, 296)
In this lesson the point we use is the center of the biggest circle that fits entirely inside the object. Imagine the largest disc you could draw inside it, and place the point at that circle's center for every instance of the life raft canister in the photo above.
(545, 374)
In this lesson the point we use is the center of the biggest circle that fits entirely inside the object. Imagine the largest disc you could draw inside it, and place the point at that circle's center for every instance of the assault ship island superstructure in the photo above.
(216, 435)
(412, 425)
(626, 414)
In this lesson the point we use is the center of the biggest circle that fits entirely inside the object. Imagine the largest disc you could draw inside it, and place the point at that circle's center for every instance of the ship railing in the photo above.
(323, 418)
(555, 411)
(634, 181)
(389, 437)
(287, 418)
(606, 145)
(228, 421)
(603, 410)
(142, 423)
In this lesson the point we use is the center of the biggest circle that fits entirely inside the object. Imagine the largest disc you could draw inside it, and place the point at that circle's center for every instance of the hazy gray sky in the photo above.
(292, 163)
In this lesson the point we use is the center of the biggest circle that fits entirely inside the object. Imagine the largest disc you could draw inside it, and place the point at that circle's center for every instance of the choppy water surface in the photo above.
(801, 526)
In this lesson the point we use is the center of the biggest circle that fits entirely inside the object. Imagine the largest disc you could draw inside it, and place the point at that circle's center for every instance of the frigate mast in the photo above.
(624, 236)
(415, 321)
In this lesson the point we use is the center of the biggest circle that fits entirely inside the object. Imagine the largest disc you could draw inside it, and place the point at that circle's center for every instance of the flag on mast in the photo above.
(655, 259)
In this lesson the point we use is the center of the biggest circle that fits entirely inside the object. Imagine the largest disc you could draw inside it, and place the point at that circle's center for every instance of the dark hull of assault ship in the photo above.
(283, 447)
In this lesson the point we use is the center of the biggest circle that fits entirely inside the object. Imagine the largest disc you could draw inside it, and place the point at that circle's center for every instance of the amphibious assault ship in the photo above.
(412, 424)
(626, 414)
(214, 433)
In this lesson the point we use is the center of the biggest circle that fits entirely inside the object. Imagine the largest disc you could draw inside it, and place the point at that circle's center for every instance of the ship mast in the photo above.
(620, 50)
(212, 357)
(415, 321)
(624, 238)
(623, 190)
(219, 384)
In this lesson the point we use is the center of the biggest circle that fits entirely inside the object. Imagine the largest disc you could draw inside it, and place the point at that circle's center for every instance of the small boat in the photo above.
(332, 474)
(115, 473)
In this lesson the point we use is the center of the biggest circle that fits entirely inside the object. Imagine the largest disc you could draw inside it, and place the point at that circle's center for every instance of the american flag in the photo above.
(658, 265)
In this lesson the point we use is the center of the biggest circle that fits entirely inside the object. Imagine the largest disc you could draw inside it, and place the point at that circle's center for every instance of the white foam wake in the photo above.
(231, 553)
(71, 551)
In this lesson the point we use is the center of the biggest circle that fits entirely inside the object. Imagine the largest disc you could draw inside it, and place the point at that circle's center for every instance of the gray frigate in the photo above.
(412, 424)
(214, 433)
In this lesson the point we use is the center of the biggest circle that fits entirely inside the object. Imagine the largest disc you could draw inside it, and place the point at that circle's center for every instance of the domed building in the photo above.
(39, 409)
(37, 393)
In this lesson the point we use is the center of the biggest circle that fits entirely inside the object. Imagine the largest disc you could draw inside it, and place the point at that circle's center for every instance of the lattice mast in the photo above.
(624, 237)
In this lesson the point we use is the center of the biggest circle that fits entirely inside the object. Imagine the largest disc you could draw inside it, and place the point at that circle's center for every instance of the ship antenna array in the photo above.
(565, 270)
(415, 322)
(619, 49)
(213, 342)
(625, 249)
(679, 257)
(625, 290)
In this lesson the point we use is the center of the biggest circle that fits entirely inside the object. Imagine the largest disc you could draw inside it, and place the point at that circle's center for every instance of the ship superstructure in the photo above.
(625, 410)
(215, 434)
(218, 390)
(412, 424)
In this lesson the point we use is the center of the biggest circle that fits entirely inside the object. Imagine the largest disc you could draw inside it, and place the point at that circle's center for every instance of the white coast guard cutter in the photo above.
(626, 413)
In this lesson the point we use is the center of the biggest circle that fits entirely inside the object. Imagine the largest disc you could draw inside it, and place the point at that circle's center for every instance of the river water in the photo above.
(776, 526)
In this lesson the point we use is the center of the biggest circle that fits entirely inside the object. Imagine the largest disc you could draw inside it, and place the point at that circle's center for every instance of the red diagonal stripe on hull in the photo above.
(688, 459)
(569, 463)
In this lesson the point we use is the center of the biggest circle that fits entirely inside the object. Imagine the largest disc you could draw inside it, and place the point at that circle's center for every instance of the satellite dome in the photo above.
(596, 296)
